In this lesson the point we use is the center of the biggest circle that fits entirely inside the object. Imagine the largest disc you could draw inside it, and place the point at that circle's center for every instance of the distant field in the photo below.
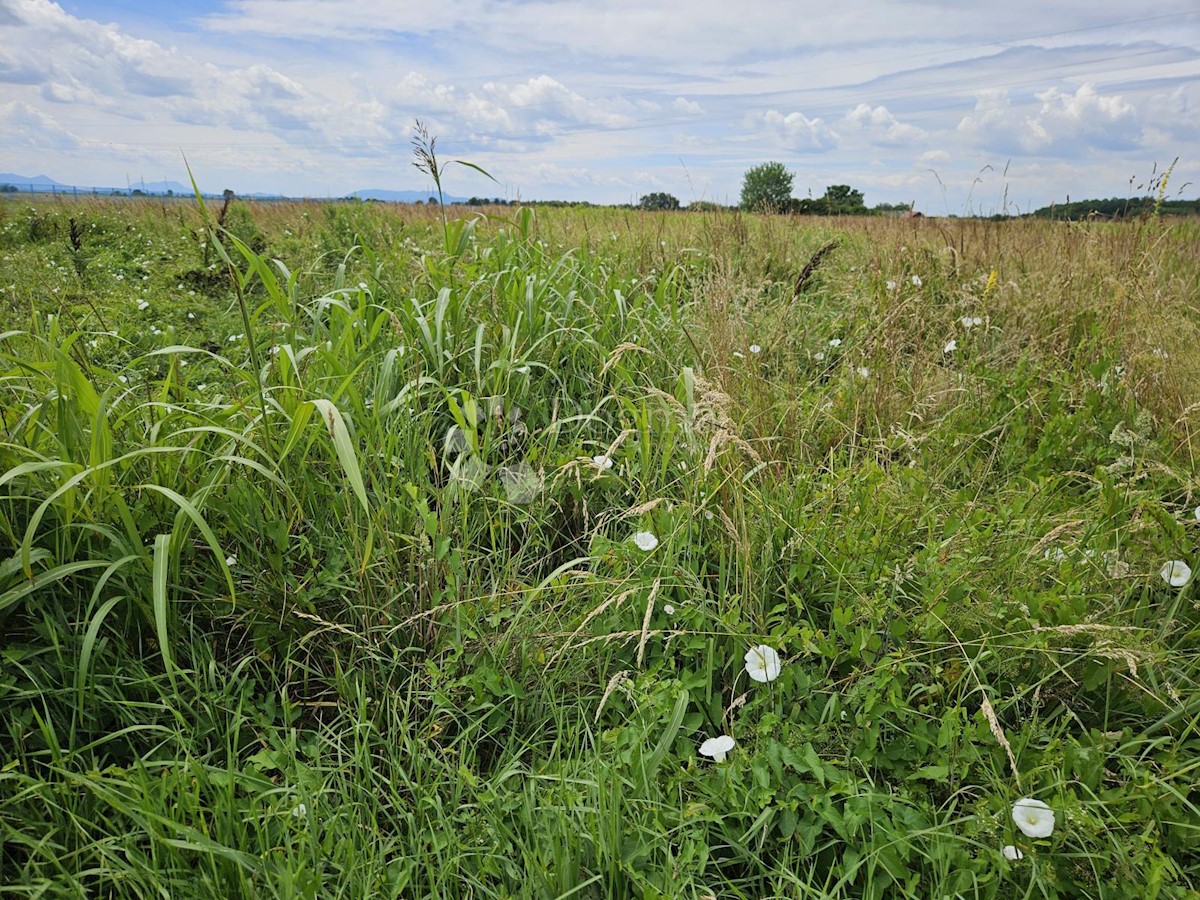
(345, 552)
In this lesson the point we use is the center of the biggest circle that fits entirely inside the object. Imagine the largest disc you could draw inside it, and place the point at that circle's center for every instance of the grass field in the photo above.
(349, 553)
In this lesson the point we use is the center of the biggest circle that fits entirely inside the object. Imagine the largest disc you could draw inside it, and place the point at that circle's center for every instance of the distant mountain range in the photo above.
(43, 184)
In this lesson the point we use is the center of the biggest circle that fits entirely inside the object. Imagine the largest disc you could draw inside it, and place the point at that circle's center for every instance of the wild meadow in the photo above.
(350, 551)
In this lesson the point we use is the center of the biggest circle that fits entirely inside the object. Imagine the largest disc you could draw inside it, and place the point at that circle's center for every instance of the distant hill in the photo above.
(402, 196)
(44, 184)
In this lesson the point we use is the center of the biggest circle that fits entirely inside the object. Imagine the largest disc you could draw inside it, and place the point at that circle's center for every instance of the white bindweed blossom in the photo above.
(916, 280)
(299, 811)
(144, 304)
(645, 540)
(602, 462)
(669, 609)
(1196, 513)
(1033, 817)
(1012, 853)
(762, 663)
(891, 285)
(231, 560)
(1054, 554)
(951, 346)
(1176, 573)
(819, 356)
(970, 321)
(754, 348)
(835, 342)
(717, 747)
(521, 483)
(864, 372)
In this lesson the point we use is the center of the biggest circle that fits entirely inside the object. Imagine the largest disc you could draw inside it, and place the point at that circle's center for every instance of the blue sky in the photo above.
(959, 107)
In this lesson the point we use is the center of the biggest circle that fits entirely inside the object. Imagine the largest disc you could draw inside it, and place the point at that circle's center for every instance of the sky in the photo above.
(962, 108)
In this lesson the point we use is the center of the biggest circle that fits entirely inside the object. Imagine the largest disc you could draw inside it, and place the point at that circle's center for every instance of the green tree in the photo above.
(767, 188)
(841, 199)
(659, 200)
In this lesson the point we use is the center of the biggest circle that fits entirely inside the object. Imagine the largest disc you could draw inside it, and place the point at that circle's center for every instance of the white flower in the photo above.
(762, 663)
(754, 348)
(835, 342)
(1033, 817)
(645, 541)
(1054, 554)
(951, 346)
(976, 320)
(916, 280)
(1176, 573)
(299, 811)
(864, 372)
(669, 609)
(819, 355)
(521, 483)
(144, 304)
(122, 379)
(891, 285)
(602, 462)
(191, 315)
(967, 321)
(231, 560)
(1011, 852)
(1196, 513)
(717, 747)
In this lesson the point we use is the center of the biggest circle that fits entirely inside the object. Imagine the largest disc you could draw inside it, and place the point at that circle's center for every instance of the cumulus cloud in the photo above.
(1062, 123)
(687, 107)
(878, 125)
(796, 131)
(23, 126)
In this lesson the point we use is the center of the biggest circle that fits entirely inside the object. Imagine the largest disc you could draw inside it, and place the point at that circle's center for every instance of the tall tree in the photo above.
(767, 188)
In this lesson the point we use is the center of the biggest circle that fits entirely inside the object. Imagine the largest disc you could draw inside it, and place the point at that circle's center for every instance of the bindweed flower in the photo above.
(891, 285)
(916, 280)
(602, 462)
(231, 560)
(835, 342)
(521, 483)
(1012, 853)
(970, 321)
(1033, 817)
(1176, 573)
(754, 348)
(1196, 513)
(951, 346)
(864, 372)
(1054, 554)
(143, 304)
(645, 541)
(762, 663)
(669, 609)
(819, 356)
(299, 811)
(717, 747)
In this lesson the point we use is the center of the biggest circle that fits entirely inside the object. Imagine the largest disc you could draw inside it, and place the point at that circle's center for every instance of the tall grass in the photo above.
(319, 590)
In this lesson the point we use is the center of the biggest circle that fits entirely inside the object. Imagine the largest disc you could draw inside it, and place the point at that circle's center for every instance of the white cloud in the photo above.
(1063, 123)
(687, 107)
(796, 131)
(879, 126)
(23, 126)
